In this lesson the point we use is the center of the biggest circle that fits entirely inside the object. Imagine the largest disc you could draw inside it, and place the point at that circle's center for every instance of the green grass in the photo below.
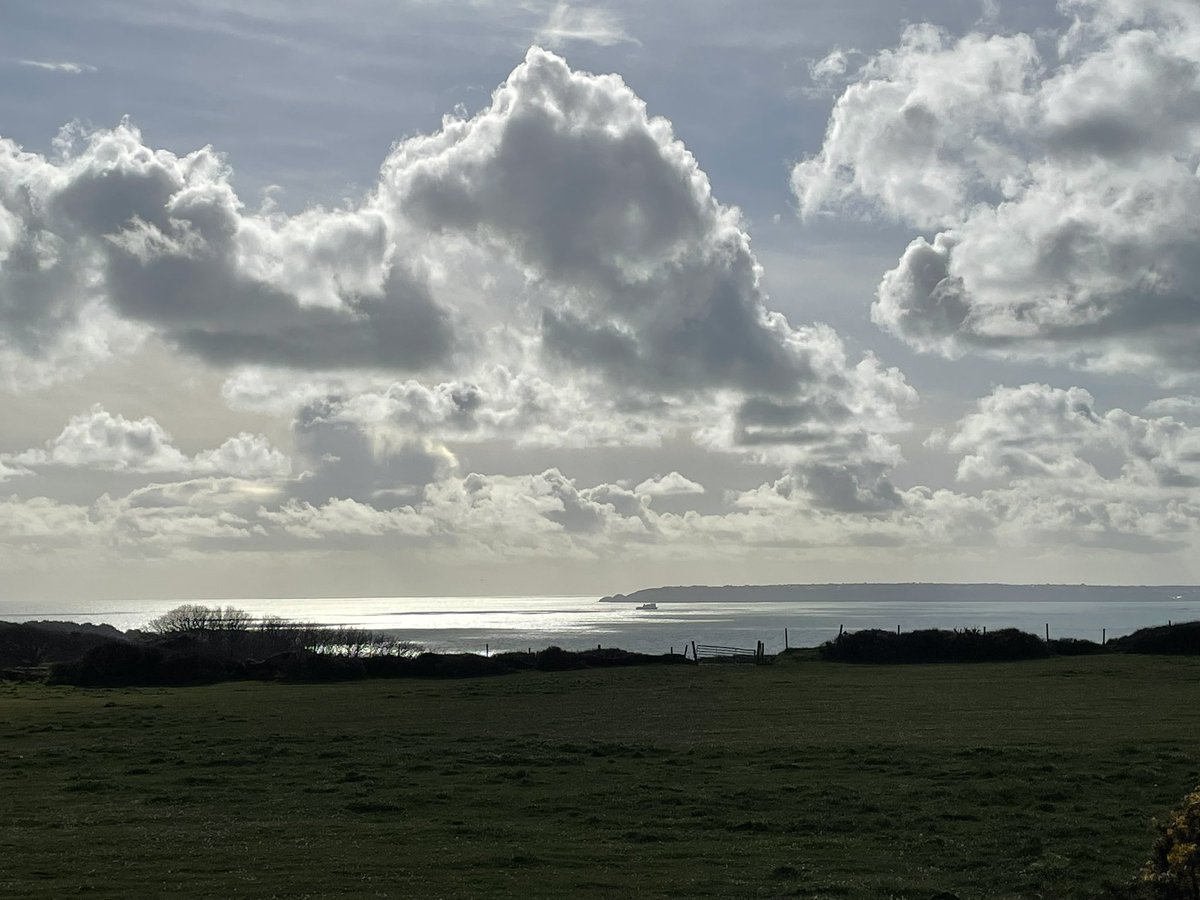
(806, 779)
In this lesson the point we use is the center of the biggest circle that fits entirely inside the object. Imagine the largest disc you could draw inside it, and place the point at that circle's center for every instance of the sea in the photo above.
(494, 624)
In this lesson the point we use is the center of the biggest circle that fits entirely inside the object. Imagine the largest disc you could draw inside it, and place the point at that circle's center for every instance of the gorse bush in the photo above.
(1173, 872)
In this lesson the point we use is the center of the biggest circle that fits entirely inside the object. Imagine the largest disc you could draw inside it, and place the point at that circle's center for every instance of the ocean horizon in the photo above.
(485, 624)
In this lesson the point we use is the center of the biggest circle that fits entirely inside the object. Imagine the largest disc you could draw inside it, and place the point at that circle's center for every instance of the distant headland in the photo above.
(908, 592)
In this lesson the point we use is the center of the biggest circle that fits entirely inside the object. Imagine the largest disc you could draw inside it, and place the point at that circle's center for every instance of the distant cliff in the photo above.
(878, 593)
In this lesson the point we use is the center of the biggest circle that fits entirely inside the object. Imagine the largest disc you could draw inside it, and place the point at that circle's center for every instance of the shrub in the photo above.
(516, 660)
(1076, 647)
(459, 665)
(1179, 638)
(193, 658)
(444, 665)
(934, 645)
(318, 667)
(32, 644)
(1173, 872)
(388, 666)
(120, 664)
(556, 659)
(612, 656)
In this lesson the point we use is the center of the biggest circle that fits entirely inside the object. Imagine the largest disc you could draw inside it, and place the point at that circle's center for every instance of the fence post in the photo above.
(1047, 632)
(786, 645)
(1103, 636)
(695, 656)
(840, 629)
(487, 651)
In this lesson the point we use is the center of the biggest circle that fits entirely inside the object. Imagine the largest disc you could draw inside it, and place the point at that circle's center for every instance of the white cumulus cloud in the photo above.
(1058, 184)
(98, 439)
(669, 485)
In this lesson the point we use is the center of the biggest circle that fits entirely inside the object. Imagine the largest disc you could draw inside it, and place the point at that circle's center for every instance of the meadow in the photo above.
(798, 779)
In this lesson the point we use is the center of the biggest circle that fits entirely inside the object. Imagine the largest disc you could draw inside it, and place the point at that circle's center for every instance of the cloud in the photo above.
(670, 485)
(514, 400)
(113, 239)
(567, 24)
(1042, 470)
(639, 311)
(1038, 432)
(178, 517)
(244, 455)
(1066, 470)
(1185, 408)
(40, 521)
(642, 276)
(100, 440)
(831, 73)
(638, 280)
(68, 68)
(546, 514)
(150, 529)
(7, 471)
(484, 516)
(209, 494)
(351, 459)
(561, 250)
(551, 272)
(345, 517)
(923, 130)
(1059, 183)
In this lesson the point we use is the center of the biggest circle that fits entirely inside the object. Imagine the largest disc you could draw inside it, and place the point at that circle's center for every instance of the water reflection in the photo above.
(516, 623)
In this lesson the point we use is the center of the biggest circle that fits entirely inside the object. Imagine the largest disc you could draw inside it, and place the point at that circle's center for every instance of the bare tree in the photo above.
(236, 633)
(191, 618)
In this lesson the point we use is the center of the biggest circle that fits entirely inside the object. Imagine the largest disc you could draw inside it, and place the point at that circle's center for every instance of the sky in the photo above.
(477, 298)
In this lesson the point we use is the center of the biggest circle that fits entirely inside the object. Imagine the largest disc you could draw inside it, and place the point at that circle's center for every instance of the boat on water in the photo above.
(647, 606)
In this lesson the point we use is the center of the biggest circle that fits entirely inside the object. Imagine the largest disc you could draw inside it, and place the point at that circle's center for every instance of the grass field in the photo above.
(806, 779)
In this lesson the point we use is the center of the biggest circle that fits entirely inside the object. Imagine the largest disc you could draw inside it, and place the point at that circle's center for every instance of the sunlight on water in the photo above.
(510, 623)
